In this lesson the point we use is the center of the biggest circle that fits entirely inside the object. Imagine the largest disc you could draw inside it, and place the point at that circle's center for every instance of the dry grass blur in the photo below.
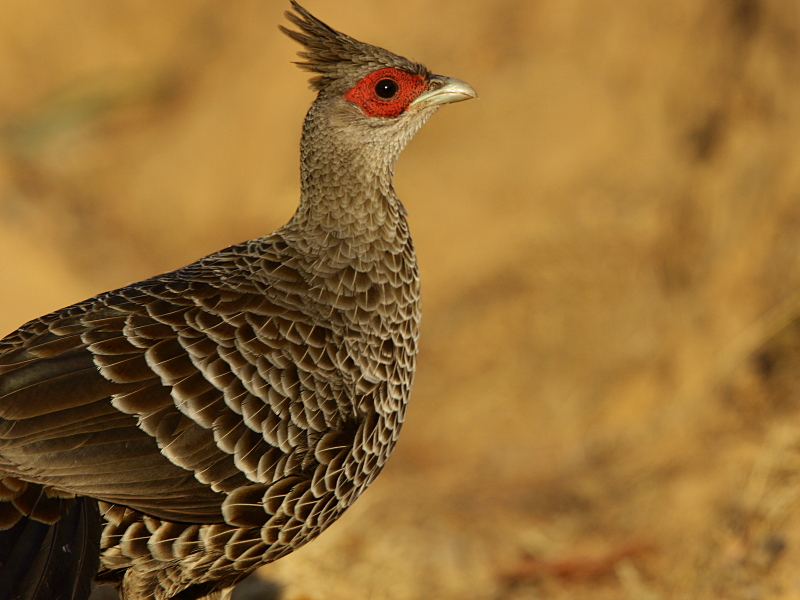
(608, 396)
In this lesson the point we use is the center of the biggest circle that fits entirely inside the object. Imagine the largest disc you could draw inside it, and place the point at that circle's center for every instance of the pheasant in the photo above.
(170, 436)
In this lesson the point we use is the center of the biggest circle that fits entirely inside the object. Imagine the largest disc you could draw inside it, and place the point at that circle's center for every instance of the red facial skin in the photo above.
(364, 96)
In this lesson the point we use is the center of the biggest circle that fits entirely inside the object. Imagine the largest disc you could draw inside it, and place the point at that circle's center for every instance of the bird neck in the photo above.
(347, 197)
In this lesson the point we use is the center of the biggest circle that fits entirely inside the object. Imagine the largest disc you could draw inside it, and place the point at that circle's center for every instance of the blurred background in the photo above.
(608, 394)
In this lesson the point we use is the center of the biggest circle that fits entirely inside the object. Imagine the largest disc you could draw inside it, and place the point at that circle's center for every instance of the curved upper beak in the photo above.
(444, 91)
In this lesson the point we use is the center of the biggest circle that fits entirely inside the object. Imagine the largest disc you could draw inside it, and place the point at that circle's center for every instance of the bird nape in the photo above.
(170, 436)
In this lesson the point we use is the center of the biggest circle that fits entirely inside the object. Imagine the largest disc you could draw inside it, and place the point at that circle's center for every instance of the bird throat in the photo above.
(347, 196)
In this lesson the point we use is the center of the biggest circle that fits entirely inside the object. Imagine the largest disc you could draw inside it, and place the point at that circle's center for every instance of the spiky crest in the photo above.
(339, 60)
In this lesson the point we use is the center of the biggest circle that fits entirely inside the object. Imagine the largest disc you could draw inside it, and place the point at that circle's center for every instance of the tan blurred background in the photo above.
(608, 395)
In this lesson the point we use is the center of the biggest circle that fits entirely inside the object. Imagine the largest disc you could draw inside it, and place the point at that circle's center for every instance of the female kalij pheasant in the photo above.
(171, 436)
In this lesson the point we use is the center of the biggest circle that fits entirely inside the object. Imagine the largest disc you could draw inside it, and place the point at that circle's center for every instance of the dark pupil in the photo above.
(386, 88)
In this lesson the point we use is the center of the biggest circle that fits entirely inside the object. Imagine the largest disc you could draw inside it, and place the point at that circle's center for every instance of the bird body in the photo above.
(171, 436)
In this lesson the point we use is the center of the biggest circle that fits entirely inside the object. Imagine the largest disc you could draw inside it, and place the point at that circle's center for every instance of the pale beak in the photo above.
(447, 90)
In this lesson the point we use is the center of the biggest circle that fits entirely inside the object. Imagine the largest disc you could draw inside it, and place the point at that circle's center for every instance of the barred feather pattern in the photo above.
(183, 430)
(222, 414)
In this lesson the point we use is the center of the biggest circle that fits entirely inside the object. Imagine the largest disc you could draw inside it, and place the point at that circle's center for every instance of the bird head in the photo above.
(367, 96)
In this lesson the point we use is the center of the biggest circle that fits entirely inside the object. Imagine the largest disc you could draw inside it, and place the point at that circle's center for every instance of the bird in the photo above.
(170, 436)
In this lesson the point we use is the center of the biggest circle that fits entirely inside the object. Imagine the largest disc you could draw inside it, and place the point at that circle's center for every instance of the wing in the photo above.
(167, 395)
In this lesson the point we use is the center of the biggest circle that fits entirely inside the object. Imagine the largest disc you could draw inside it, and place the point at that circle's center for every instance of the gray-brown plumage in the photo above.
(170, 436)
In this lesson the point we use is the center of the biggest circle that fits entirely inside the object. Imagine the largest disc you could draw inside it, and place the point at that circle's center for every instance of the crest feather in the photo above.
(338, 59)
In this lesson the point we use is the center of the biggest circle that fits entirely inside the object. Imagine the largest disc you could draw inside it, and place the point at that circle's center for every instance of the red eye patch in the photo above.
(386, 92)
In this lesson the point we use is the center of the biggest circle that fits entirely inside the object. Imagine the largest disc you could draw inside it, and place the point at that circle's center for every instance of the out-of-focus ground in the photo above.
(608, 395)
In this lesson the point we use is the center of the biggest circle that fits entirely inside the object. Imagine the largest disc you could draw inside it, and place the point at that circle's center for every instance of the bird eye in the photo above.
(386, 88)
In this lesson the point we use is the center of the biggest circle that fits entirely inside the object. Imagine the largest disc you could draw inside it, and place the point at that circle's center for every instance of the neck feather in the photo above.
(347, 195)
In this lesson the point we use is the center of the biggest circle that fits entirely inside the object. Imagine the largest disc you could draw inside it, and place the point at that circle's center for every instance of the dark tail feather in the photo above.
(40, 561)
